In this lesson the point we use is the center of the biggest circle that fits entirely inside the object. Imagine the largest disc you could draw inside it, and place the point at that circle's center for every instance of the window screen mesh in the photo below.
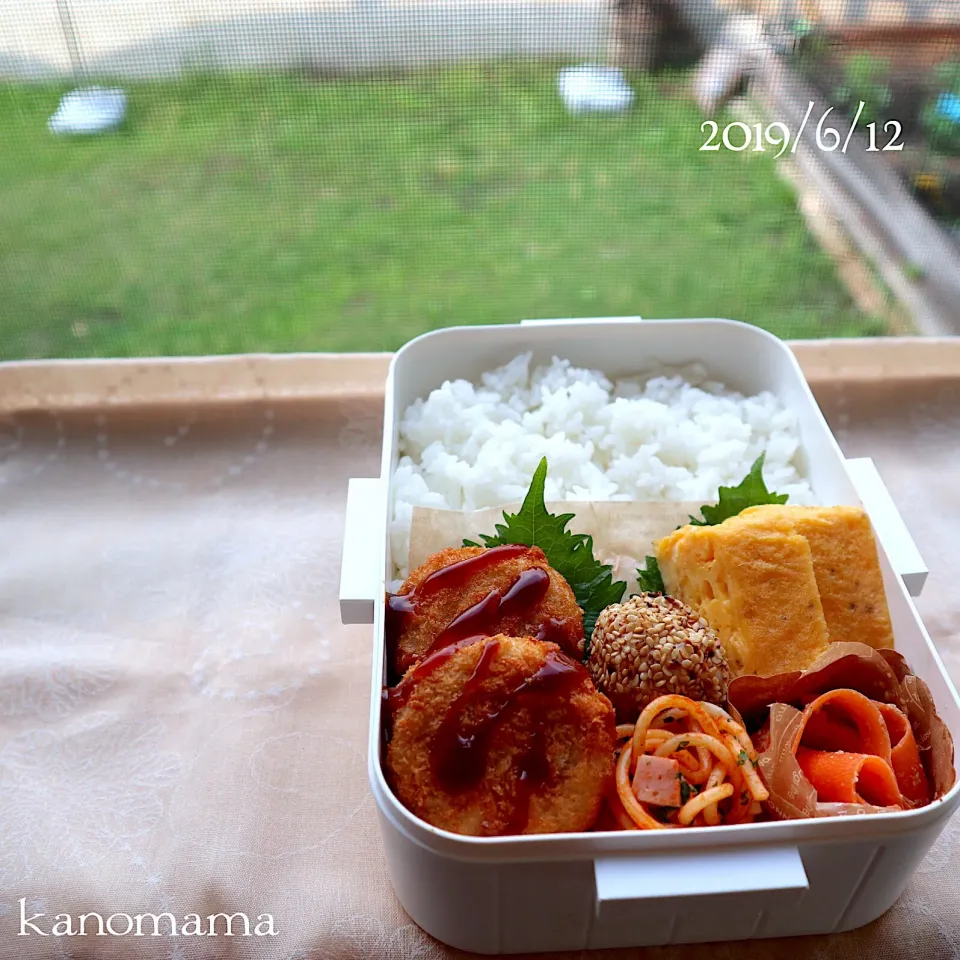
(340, 175)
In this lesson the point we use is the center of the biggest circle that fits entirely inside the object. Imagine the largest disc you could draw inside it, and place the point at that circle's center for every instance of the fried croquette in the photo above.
(501, 735)
(472, 591)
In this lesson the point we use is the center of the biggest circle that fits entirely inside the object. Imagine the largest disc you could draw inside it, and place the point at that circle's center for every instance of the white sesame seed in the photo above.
(649, 643)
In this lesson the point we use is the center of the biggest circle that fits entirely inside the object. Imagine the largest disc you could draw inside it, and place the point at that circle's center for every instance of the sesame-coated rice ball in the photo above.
(651, 645)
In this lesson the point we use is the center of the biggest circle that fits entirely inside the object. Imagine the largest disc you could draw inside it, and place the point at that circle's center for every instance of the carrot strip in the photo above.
(840, 731)
(860, 713)
(849, 777)
(826, 731)
(905, 756)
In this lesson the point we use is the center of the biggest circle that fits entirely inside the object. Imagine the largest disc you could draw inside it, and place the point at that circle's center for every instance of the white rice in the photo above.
(673, 436)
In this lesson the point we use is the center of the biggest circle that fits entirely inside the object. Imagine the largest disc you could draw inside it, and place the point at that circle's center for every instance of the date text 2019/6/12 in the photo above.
(738, 136)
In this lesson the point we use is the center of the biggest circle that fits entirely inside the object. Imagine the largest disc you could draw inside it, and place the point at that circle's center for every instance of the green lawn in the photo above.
(281, 212)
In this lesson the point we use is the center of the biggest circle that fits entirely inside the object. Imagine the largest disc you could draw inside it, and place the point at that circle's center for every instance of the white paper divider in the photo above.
(699, 874)
(888, 524)
(362, 534)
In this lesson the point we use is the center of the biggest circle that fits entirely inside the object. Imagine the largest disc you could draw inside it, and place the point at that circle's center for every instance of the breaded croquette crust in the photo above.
(545, 608)
(500, 736)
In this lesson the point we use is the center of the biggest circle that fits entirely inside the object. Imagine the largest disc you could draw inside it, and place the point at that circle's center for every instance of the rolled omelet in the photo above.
(778, 584)
(755, 587)
(846, 566)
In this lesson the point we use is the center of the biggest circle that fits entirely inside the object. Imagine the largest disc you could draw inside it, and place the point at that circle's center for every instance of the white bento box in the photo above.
(616, 889)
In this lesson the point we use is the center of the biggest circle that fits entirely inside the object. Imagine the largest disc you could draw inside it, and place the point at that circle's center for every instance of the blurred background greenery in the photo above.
(278, 211)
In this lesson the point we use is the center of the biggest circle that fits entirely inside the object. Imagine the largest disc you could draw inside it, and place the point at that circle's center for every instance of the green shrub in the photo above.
(866, 79)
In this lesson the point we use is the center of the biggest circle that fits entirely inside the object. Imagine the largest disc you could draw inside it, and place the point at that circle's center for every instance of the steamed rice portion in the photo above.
(676, 435)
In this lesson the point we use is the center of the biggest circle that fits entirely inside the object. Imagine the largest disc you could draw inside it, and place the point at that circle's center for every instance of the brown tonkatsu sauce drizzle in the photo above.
(457, 574)
(483, 617)
(460, 752)
(460, 755)
(553, 630)
(534, 771)
(397, 696)
(402, 605)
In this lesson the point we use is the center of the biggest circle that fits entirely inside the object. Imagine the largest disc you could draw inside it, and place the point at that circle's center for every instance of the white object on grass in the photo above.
(89, 110)
(589, 87)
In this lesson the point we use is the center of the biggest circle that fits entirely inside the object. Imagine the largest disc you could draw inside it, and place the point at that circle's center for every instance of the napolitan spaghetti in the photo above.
(685, 763)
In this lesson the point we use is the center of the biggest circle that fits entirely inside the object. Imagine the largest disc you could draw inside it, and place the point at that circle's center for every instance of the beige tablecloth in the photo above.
(183, 718)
